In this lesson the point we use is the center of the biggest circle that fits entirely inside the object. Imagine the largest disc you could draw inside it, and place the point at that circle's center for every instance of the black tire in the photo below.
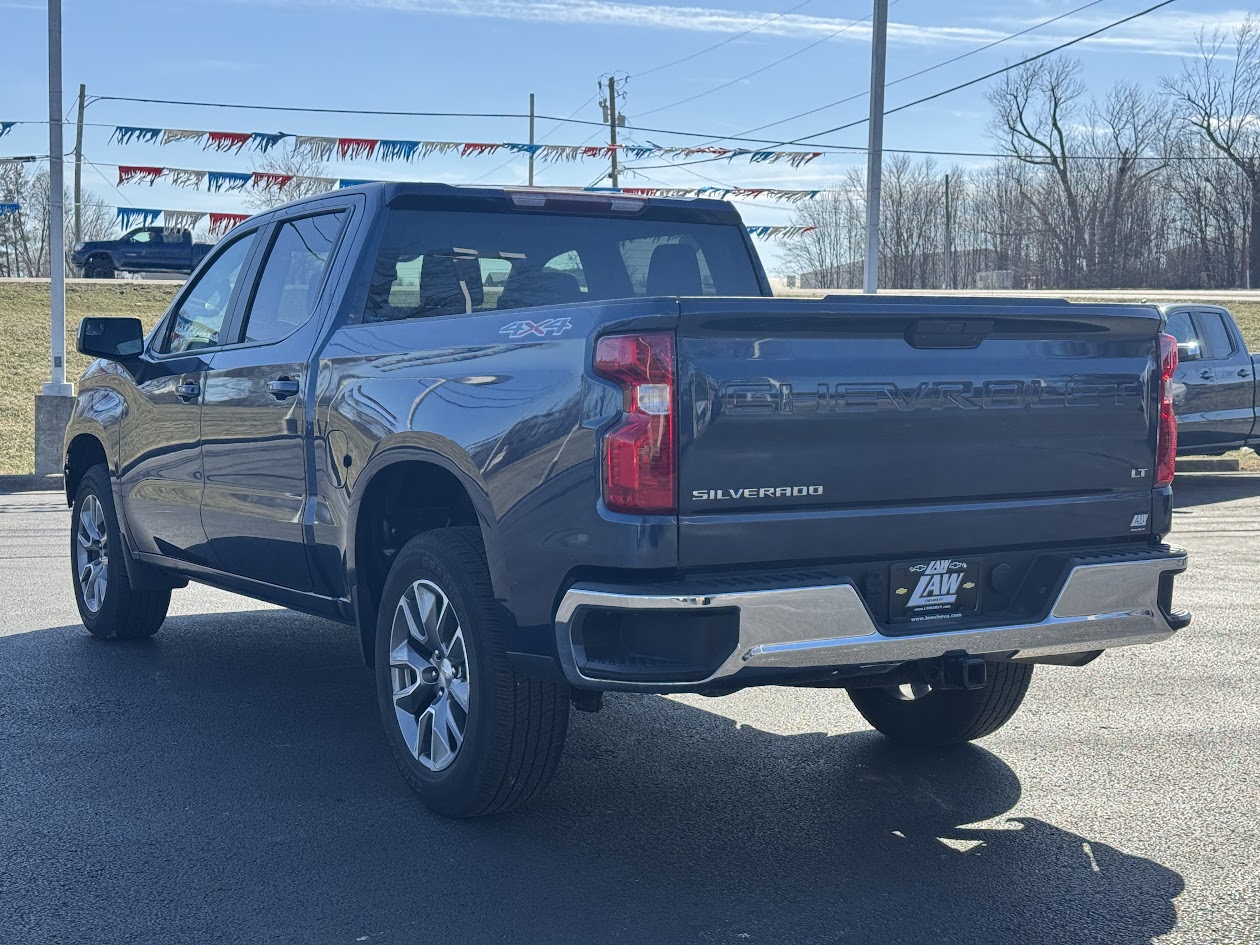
(98, 267)
(947, 716)
(121, 613)
(514, 726)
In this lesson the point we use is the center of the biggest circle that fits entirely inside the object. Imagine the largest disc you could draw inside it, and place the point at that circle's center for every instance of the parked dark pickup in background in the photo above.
(144, 249)
(1214, 388)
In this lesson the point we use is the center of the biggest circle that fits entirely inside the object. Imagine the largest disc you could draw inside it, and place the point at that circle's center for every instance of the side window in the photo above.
(1182, 328)
(1217, 343)
(671, 265)
(292, 275)
(569, 263)
(199, 319)
(139, 236)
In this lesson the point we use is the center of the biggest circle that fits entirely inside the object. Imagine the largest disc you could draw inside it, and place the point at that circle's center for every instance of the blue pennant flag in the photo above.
(525, 148)
(227, 180)
(638, 150)
(261, 141)
(6, 127)
(350, 182)
(396, 150)
(130, 216)
(7, 208)
(125, 134)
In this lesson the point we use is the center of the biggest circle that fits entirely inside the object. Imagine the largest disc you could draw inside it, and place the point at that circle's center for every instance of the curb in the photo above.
(32, 484)
(1206, 464)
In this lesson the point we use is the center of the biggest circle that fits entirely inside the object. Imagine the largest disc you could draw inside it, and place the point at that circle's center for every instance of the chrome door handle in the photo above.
(282, 387)
(187, 390)
(1243, 372)
(1206, 375)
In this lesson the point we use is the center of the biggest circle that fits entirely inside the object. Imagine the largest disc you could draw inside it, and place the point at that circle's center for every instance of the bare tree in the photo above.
(1218, 95)
(1036, 110)
(309, 177)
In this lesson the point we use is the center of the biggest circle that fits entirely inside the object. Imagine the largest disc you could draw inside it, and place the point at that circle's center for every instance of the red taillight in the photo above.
(1166, 443)
(639, 451)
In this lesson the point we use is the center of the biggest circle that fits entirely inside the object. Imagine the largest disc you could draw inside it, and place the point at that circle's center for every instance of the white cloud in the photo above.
(1167, 32)
(659, 16)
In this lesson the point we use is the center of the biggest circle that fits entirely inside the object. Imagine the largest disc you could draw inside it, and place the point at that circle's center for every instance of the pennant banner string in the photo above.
(388, 150)
(226, 181)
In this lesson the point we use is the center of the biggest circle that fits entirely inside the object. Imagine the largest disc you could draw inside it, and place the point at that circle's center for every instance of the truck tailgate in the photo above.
(862, 427)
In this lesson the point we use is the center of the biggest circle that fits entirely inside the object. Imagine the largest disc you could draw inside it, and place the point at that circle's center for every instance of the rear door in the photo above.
(814, 430)
(254, 507)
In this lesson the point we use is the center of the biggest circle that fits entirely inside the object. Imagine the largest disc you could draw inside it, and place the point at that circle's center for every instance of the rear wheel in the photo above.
(108, 605)
(470, 734)
(98, 267)
(921, 715)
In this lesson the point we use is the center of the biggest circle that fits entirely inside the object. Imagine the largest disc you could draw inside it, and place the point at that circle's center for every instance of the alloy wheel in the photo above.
(430, 673)
(92, 553)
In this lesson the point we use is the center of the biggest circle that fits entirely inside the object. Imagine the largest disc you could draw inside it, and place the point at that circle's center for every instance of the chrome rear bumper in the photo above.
(1103, 605)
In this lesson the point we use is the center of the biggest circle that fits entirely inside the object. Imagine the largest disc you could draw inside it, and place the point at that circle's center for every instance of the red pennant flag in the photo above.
(220, 223)
(227, 140)
(351, 148)
(267, 181)
(145, 175)
(477, 149)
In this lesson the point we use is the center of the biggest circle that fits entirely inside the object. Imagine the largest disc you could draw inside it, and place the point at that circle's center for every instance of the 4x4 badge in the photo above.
(548, 326)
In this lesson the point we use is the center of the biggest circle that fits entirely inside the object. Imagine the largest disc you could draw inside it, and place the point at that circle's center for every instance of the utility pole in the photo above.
(53, 406)
(948, 259)
(78, 167)
(612, 126)
(56, 204)
(531, 139)
(875, 145)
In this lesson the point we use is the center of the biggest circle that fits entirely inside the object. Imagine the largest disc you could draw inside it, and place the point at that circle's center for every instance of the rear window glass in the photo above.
(438, 262)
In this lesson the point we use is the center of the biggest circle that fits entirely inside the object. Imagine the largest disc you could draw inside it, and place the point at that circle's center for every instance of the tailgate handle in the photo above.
(948, 332)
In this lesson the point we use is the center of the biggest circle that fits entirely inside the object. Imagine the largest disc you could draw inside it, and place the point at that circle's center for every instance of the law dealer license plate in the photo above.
(934, 590)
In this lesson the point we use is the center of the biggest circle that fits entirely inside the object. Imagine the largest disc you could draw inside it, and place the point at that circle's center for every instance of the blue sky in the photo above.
(488, 55)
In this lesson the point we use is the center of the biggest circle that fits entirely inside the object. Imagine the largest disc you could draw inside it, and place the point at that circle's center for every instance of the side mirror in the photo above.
(116, 339)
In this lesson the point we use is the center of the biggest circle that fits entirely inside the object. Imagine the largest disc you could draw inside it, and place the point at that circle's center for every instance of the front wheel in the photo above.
(470, 734)
(920, 715)
(108, 605)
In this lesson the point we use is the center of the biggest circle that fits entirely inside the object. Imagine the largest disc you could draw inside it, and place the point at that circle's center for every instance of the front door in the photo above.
(1231, 411)
(160, 437)
(255, 414)
(1193, 385)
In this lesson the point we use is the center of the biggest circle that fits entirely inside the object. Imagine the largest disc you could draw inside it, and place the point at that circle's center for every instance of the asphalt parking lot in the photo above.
(228, 782)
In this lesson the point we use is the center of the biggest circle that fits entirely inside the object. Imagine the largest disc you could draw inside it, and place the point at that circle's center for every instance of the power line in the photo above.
(995, 72)
(729, 39)
(915, 75)
(792, 55)
(955, 88)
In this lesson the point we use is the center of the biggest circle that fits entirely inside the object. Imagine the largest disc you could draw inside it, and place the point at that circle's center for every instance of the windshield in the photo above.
(437, 262)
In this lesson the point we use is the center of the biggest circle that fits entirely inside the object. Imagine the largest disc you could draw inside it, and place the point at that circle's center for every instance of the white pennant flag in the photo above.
(182, 177)
(172, 135)
(321, 149)
(181, 220)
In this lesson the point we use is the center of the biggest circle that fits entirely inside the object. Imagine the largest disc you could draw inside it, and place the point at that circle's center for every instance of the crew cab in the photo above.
(1215, 393)
(534, 446)
(143, 249)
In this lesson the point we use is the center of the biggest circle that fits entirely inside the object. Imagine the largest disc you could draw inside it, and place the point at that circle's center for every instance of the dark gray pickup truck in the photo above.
(143, 249)
(1214, 389)
(535, 446)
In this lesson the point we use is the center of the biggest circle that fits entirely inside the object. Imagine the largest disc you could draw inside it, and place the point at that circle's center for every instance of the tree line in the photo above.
(1137, 187)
